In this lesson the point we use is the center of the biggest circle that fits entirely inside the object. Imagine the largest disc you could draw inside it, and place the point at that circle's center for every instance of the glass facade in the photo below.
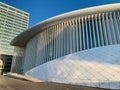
(12, 22)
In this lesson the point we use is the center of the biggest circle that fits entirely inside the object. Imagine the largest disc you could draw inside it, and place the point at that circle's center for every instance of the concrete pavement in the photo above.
(7, 83)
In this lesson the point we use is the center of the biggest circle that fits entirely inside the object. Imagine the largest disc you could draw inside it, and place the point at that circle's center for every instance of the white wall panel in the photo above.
(97, 67)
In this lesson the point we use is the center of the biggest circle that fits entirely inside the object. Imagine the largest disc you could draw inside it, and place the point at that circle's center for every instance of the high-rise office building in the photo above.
(13, 21)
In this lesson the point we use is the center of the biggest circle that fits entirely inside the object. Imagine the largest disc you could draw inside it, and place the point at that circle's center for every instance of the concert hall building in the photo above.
(80, 47)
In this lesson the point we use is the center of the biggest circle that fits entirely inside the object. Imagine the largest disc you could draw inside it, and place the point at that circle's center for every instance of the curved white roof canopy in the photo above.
(23, 38)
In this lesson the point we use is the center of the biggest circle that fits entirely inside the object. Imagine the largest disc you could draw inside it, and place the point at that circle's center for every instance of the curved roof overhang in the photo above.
(22, 39)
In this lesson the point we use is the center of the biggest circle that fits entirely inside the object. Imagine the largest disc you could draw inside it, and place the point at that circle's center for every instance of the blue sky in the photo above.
(43, 9)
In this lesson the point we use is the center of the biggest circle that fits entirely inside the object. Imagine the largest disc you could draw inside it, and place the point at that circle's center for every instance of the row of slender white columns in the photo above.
(73, 35)
(17, 62)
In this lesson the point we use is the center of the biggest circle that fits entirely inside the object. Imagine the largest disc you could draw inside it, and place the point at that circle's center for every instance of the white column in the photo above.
(73, 36)
(59, 48)
(50, 43)
(117, 34)
(108, 29)
(104, 29)
(68, 37)
(61, 40)
(45, 40)
(83, 34)
(44, 53)
(93, 31)
(80, 34)
(64, 38)
(76, 34)
(57, 41)
(86, 32)
(48, 46)
(41, 48)
(70, 30)
(90, 31)
(97, 30)
(112, 29)
(118, 22)
(101, 31)
(54, 42)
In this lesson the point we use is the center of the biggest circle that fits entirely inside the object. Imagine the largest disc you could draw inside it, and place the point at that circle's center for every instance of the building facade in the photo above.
(13, 21)
(66, 34)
